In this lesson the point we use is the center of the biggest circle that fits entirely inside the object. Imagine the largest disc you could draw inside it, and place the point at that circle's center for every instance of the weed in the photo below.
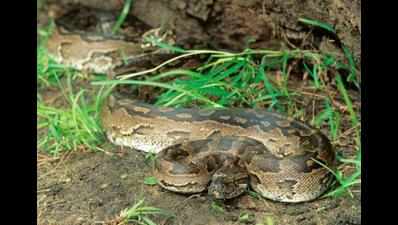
(332, 116)
(347, 100)
(318, 23)
(245, 217)
(216, 207)
(69, 129)
(150, 181)
(142, 214)
(149, 158)
(122, 16)
(48, 71)
(346, 182)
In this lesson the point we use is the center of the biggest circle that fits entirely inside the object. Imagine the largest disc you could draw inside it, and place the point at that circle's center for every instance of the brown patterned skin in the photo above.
(97, 53)
(90, 53)
(224, 151)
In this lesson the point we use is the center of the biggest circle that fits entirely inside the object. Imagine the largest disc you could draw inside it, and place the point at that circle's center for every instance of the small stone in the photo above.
(104, 186)
(123, 176)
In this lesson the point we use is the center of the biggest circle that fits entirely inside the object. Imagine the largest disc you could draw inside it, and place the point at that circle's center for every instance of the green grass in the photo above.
(150, 180)
(216, 208)
(150, 158)
(74, 126)
(268, 220)
(122, 16)
(225, 80)
(231, 79)
(332, 117)
(141, 214)
(351, 65)
(347, 101)
(346, 182)
(245, 217)
(48, 71)
(253, 194)
(317, 23)
(352, 77)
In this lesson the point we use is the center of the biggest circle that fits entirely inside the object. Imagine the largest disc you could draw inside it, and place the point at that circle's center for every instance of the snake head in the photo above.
(228, 182)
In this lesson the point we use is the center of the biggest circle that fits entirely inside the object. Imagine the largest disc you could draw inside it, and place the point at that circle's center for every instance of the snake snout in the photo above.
(217, 188)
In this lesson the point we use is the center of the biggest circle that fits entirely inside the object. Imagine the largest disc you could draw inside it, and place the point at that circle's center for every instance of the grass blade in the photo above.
(318, 23)
(122, 16)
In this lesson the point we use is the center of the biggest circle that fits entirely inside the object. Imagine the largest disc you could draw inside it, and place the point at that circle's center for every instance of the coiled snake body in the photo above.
(224, 151)
(230, 149)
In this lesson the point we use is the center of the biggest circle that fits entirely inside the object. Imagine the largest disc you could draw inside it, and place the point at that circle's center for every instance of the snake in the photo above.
(225, 152)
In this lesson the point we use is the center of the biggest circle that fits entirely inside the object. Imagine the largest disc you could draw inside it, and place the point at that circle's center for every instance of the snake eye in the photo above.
(211, 166)
(212, 163)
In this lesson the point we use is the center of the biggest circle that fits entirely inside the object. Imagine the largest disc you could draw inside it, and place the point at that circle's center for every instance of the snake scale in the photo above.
(223, 151)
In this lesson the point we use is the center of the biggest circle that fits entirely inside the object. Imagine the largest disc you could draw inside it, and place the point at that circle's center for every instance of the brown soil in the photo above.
(92, 188)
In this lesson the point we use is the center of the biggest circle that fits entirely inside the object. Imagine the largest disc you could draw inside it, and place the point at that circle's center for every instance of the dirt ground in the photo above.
(92, 188)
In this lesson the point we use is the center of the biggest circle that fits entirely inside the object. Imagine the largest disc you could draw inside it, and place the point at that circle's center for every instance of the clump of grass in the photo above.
(230, 79)
(314, 74)
(229, 74)
(346, 182)
(348, 102)
(245, 217)
(268, 220)
(352, 77)
(72, 127)
(216, 208)
(141, 214)
(150, 180)
(351, 66)
(48, 71)
(122, 16)
(330, 115)
(149, 158)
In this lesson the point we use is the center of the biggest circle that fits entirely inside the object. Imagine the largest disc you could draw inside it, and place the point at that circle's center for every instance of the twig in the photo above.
(197, 52)
(62, 159)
